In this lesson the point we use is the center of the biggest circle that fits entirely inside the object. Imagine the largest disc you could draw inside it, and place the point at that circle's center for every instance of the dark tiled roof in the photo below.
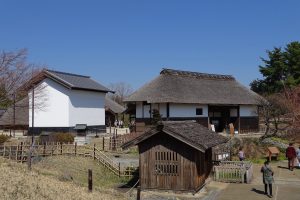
(175, 86)
(113, 106)
(21, 114)
(75, 81)
(189, 132)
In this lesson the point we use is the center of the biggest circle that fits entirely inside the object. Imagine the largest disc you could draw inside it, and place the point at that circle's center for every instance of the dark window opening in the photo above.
(199, 111)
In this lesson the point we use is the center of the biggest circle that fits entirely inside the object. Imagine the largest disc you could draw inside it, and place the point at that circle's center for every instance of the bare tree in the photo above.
(17, 77)
(122, 90)
(273, 110)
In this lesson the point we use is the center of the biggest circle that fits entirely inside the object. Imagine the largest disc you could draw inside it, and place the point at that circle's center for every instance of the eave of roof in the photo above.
(175, 134)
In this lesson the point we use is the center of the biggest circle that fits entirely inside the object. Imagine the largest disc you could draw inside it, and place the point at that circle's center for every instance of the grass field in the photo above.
(56, 178)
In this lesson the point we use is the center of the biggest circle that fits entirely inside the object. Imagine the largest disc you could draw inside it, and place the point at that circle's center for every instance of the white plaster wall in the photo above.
(187, 110)
(51, 105)
(139, 110)
(163, 109)
(248, 110)
(86, 107)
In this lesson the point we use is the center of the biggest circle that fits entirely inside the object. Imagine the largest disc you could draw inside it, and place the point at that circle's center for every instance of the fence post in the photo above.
(16, 153)
(103, 143)
(119, 169)
(61, 148)
(75, 148)
(44, 150)
(21, 148)
(94, 152)
(4, 151)
(90, 180)
(9, 157)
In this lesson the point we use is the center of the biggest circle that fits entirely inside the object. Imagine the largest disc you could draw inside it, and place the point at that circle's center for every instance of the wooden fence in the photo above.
(20, 153)
(114, 143)
(233, 171)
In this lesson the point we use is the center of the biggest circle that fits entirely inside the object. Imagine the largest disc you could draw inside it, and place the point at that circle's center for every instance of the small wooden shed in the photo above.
(175, 156)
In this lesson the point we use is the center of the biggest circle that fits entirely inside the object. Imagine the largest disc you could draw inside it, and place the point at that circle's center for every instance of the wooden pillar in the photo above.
(21, 149)
(61, 148)
(94, 152)
(168, 110)
(16, 153)
(90, 180)
(75, 148)
(44, 149)
(9, 157)
(103, 143)
(4, 149)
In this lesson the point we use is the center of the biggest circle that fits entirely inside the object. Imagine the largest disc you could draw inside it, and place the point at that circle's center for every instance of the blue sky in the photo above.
(132, 41)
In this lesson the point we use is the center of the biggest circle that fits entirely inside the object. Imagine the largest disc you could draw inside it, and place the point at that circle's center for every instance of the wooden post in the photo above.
(9, 157)
(75, 148)
(44, 150)
(21, 148)
(138, 196)
(119, 169)
(94, 152)
(17, 151)
(103, 143)
(61, 148)
(29, 158)
(90, 180)
(4, 151)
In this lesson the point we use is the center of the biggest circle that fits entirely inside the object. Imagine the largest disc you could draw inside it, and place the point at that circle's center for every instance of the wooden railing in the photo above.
(20, 153)
(233, 171)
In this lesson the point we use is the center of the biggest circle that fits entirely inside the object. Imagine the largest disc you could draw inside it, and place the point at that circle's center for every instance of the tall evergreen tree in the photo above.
(281, 69)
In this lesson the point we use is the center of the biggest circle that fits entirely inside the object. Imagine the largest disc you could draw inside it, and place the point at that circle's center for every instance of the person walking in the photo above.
(241, 154)
(290, 153)
(268, 178)
(298, 156)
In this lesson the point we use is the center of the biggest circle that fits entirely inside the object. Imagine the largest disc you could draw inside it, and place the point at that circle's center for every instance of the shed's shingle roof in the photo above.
(189, 132)
(75, 81)
(175, 86)
(113, 106)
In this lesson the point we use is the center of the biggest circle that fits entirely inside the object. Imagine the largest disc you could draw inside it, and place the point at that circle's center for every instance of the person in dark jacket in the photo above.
(268, 179)
(290, 153)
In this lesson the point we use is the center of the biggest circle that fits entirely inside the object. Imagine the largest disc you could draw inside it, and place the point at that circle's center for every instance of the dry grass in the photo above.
(16, 182)
(75, 169)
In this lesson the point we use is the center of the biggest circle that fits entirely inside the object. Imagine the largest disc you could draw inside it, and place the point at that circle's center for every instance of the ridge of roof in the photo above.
(173, 72)
(67, 73)
(188, 132)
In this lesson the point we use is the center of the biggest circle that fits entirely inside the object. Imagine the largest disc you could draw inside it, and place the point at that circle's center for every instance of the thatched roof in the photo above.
(21, 114)
(189, 132)
(175, 86)
(113, 106)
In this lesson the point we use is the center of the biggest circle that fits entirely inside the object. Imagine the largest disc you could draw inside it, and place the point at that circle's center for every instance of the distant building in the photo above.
(73, 103)
(112, 111)
(206, 98)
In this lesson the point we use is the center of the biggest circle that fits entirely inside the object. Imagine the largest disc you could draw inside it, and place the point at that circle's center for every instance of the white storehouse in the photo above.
(66, 102)
(206, 98)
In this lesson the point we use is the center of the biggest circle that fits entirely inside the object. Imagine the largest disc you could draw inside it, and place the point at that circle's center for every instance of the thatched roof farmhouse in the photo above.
(207, 98)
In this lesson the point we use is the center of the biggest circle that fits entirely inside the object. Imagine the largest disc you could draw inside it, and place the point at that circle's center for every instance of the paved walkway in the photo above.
(286, 187)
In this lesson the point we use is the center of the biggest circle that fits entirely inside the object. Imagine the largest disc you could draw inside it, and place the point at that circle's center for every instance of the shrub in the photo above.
(3, 138)
(63, 137)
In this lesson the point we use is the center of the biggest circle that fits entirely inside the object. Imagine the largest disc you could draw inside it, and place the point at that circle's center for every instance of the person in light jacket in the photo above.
(268, 178)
